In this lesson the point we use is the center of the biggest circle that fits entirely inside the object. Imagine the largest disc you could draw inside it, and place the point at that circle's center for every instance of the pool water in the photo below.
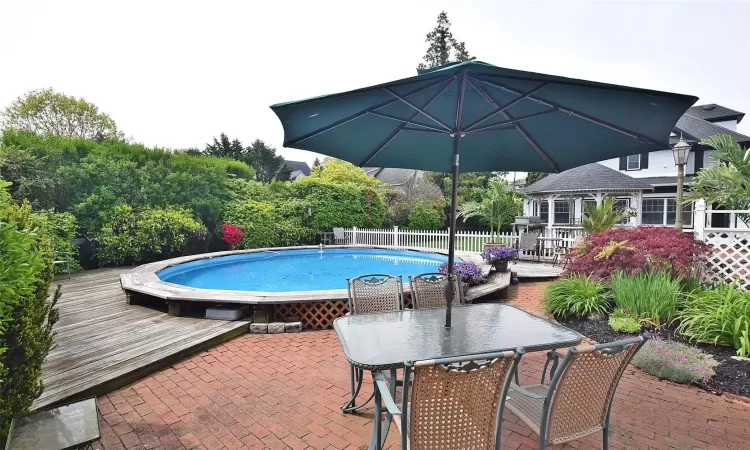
(298, 270)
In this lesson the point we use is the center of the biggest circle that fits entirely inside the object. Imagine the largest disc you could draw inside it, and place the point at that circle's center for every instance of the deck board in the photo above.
(103, 343)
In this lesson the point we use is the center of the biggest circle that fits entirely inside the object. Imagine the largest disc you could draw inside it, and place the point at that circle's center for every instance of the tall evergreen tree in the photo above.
(316, 163)
(442, 44)
(225, 148)
(264, 160)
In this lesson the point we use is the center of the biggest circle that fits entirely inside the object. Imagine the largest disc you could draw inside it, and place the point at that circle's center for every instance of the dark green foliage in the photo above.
(533, 177)
(135, 236)
(374, 207)
(719, 316)
(442, 43)
(223, 148)
(26, 314)
(650, 296)
(264, 160)
(62, 229)
(423, 217)
(576, 296)
(264, 226)
(331, 204)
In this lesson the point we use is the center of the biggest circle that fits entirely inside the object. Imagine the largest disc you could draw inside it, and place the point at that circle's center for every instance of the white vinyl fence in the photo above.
(466, 241)
(730, 260)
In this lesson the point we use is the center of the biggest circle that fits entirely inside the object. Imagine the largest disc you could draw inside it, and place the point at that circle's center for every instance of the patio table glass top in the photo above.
(386, 340)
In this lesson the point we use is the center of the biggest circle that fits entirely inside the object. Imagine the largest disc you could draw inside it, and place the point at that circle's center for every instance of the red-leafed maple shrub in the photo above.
(232, 234)
(635, 250)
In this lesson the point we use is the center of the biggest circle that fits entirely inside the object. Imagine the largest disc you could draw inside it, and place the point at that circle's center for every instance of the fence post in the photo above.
(395, 235)
(699, 227)
(354, 235)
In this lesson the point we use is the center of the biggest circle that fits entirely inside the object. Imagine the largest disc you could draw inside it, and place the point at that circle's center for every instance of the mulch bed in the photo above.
(732, 376)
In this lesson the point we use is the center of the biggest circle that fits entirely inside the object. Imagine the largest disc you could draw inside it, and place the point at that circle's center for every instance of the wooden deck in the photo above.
(103, 343)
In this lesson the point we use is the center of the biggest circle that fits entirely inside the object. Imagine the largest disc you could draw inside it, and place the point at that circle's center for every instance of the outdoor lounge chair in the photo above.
(578, 399)
(339, 236)
(528, 242)
(370, 294)
(447, 405)
(428, 291)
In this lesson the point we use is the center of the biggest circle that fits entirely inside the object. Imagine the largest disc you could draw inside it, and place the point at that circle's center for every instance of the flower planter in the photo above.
(495, 245)
(501, 266)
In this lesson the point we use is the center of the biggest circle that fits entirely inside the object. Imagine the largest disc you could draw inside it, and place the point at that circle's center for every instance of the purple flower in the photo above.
(493, 254)
(468, 272)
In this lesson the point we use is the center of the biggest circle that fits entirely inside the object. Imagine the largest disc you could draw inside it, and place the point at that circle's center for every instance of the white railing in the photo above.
(466, 241)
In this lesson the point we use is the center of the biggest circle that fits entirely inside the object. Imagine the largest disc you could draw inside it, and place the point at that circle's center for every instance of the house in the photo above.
(645, 184)
(299, 169)
(392, 176)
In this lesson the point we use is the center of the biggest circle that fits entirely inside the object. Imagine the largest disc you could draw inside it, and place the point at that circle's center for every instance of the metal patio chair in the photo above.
(446, 405)
(428, 290)
(339, 236)
(578, 400)
(529, 242)
(370, 294)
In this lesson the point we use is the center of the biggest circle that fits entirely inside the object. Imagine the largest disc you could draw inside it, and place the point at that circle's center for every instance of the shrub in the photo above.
(674, 361)
(263, 226)
(637, 250)
(649, 296)
(331, 204)
(26, 314)
(624, 323)
(232, 234)
(423, 217)
(576, 296)
(130, 236)
(719, 316)
(62, 228)
(467, 272)
(374, 207)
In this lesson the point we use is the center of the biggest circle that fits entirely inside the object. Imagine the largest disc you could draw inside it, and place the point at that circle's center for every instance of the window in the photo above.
(586, 204)
(662, 211)
(534, 208)
(652, 211)
(634, 162)
(562, 212)
(620, 204)
(544, 211)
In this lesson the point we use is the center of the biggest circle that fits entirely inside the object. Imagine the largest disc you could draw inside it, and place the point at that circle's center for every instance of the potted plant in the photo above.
(469, 273)
(499, 257)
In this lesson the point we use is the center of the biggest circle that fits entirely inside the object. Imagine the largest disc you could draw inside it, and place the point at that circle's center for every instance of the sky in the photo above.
(177, 73)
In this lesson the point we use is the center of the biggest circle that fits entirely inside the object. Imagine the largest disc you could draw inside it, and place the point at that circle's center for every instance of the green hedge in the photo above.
(423, 217)
(135, 236)
(26, 313)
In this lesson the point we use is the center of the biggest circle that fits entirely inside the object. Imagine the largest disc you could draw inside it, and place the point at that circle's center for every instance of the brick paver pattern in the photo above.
(284, 391)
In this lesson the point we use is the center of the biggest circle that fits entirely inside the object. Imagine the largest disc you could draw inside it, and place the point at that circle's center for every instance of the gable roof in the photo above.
(696, 129)
(298, 166)
(715, 113)
(392, 175)
(590, 177)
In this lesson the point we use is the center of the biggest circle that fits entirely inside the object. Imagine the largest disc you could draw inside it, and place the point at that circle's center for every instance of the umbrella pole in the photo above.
(449, 294)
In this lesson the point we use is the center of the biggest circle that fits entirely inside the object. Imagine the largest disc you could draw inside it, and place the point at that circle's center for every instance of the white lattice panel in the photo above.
(730, 260)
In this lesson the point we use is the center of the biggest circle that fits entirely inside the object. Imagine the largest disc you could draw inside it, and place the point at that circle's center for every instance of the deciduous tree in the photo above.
(46, 112)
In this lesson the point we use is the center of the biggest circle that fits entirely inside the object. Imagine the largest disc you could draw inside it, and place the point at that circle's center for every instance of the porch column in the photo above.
(639, 209)
(598, 197)
(551, 209)
(699, 225)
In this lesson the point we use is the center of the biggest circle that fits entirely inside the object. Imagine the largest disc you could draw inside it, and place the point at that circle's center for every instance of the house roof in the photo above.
(393, 176)
(715, 113)
(298, 166)
(666, 181)
(590, 177)
(696, 129)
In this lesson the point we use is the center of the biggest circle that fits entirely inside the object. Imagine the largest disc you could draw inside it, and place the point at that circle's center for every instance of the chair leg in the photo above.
(355, 384)
(605, 444)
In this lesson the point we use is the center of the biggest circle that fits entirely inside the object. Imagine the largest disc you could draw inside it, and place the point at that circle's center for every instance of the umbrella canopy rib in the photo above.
(504, 107)
(407, 121)
(575, 113)
(499, 125)
(421, 110)
(395, 133)
(359, 114)
(518, 127)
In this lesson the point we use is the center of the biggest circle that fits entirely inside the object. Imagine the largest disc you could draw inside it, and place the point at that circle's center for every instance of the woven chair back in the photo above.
(451, 408)
(428, 290)
(585, 390)
(375, 293)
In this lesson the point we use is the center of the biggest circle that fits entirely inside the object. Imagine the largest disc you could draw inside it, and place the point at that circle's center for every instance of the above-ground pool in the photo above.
(298, 270)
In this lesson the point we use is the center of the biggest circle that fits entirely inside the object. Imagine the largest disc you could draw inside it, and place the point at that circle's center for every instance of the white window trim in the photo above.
(627, 162)
(664, 211)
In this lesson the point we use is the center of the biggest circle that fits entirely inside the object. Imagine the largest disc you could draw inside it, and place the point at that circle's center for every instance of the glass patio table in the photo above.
(384, 341)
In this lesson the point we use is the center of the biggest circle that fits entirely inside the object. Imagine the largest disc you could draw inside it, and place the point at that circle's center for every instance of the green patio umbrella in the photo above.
(493, 118)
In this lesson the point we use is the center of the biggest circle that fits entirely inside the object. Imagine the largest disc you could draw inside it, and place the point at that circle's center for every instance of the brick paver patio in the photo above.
(284, 391)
